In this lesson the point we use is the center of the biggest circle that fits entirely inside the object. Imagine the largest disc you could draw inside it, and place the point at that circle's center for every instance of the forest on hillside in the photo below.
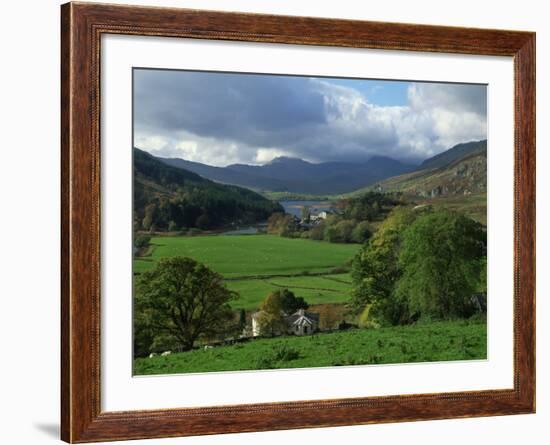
(169, 198)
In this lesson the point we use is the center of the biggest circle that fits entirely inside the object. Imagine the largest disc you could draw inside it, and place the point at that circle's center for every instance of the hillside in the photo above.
(439, 341)
(461, 170)
(172, 198)
(455, 179)
(455, 153)
(294, 175)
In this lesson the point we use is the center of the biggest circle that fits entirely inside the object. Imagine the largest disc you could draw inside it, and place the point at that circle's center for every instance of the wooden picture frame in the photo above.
(82, 25)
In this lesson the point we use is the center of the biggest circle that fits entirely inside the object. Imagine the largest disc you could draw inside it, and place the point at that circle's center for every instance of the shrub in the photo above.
(264, 363)
(285, 353)
(142, 241)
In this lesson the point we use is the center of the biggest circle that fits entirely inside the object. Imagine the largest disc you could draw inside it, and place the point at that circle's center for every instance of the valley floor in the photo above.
(256, 265)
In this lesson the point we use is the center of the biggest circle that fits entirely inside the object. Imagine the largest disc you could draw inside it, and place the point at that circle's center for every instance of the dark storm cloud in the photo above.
(222, 118)
(246, 108)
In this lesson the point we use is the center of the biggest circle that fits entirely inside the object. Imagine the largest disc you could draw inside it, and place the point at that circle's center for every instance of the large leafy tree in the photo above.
(375, 269)
(271, 318)
(178, 302)
(290, 302)
(441, 259)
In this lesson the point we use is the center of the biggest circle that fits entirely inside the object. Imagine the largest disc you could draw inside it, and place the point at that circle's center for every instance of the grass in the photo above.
(250, 255)
(266, 263)
(437, 341)
(314, 289)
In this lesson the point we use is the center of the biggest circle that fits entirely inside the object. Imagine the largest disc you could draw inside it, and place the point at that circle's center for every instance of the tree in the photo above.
(317, 232)
(203, 222)
(305, 213)
(271, 318)
(344, 230)
(149, 217)
(290, 303)
(441, 262)
(242, 320)
(375, 269)
(275, 307)
(361, 232)
(281, 224)
(182, 300)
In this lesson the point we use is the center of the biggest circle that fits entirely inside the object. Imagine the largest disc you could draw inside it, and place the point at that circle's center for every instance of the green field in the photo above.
(437, 341)
(255, 265)
(314, 289)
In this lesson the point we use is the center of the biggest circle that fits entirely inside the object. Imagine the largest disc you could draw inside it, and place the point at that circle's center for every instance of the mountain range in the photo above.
(286, 174)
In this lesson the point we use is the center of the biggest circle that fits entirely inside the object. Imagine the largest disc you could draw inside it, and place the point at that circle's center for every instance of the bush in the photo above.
(142, 241)
(285, 353)
(264, 363)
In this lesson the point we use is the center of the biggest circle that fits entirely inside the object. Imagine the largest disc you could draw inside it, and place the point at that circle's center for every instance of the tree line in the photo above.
(351, 222)
(170, 198)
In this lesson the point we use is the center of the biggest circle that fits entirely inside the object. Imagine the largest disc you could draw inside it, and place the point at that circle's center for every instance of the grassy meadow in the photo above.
(436, 341)
(255, 265)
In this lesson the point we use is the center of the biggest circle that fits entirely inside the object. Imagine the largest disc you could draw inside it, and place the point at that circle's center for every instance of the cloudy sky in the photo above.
(221, 118)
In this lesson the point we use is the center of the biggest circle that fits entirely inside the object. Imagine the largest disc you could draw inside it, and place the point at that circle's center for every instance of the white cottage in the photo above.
(302, 322)
(299, 323)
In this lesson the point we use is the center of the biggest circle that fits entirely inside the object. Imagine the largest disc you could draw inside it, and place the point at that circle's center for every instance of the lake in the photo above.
(291, 207)
(295, 207)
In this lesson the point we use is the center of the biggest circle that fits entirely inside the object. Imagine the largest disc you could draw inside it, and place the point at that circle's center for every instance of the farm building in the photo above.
(299, 323)
(302, 322)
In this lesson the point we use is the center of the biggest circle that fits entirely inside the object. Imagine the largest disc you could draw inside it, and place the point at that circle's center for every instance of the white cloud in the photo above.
(252, 119)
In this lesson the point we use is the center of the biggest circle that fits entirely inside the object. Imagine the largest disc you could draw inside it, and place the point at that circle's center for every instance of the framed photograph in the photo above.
(274, 222)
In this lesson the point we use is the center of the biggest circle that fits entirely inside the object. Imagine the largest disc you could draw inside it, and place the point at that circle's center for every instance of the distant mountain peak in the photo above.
(291, 174)
(287, 160)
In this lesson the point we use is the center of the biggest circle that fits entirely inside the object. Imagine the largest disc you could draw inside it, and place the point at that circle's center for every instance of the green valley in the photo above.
(255, 265)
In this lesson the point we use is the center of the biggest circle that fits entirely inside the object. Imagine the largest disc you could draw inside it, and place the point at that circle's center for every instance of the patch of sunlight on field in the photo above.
(252, 255)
